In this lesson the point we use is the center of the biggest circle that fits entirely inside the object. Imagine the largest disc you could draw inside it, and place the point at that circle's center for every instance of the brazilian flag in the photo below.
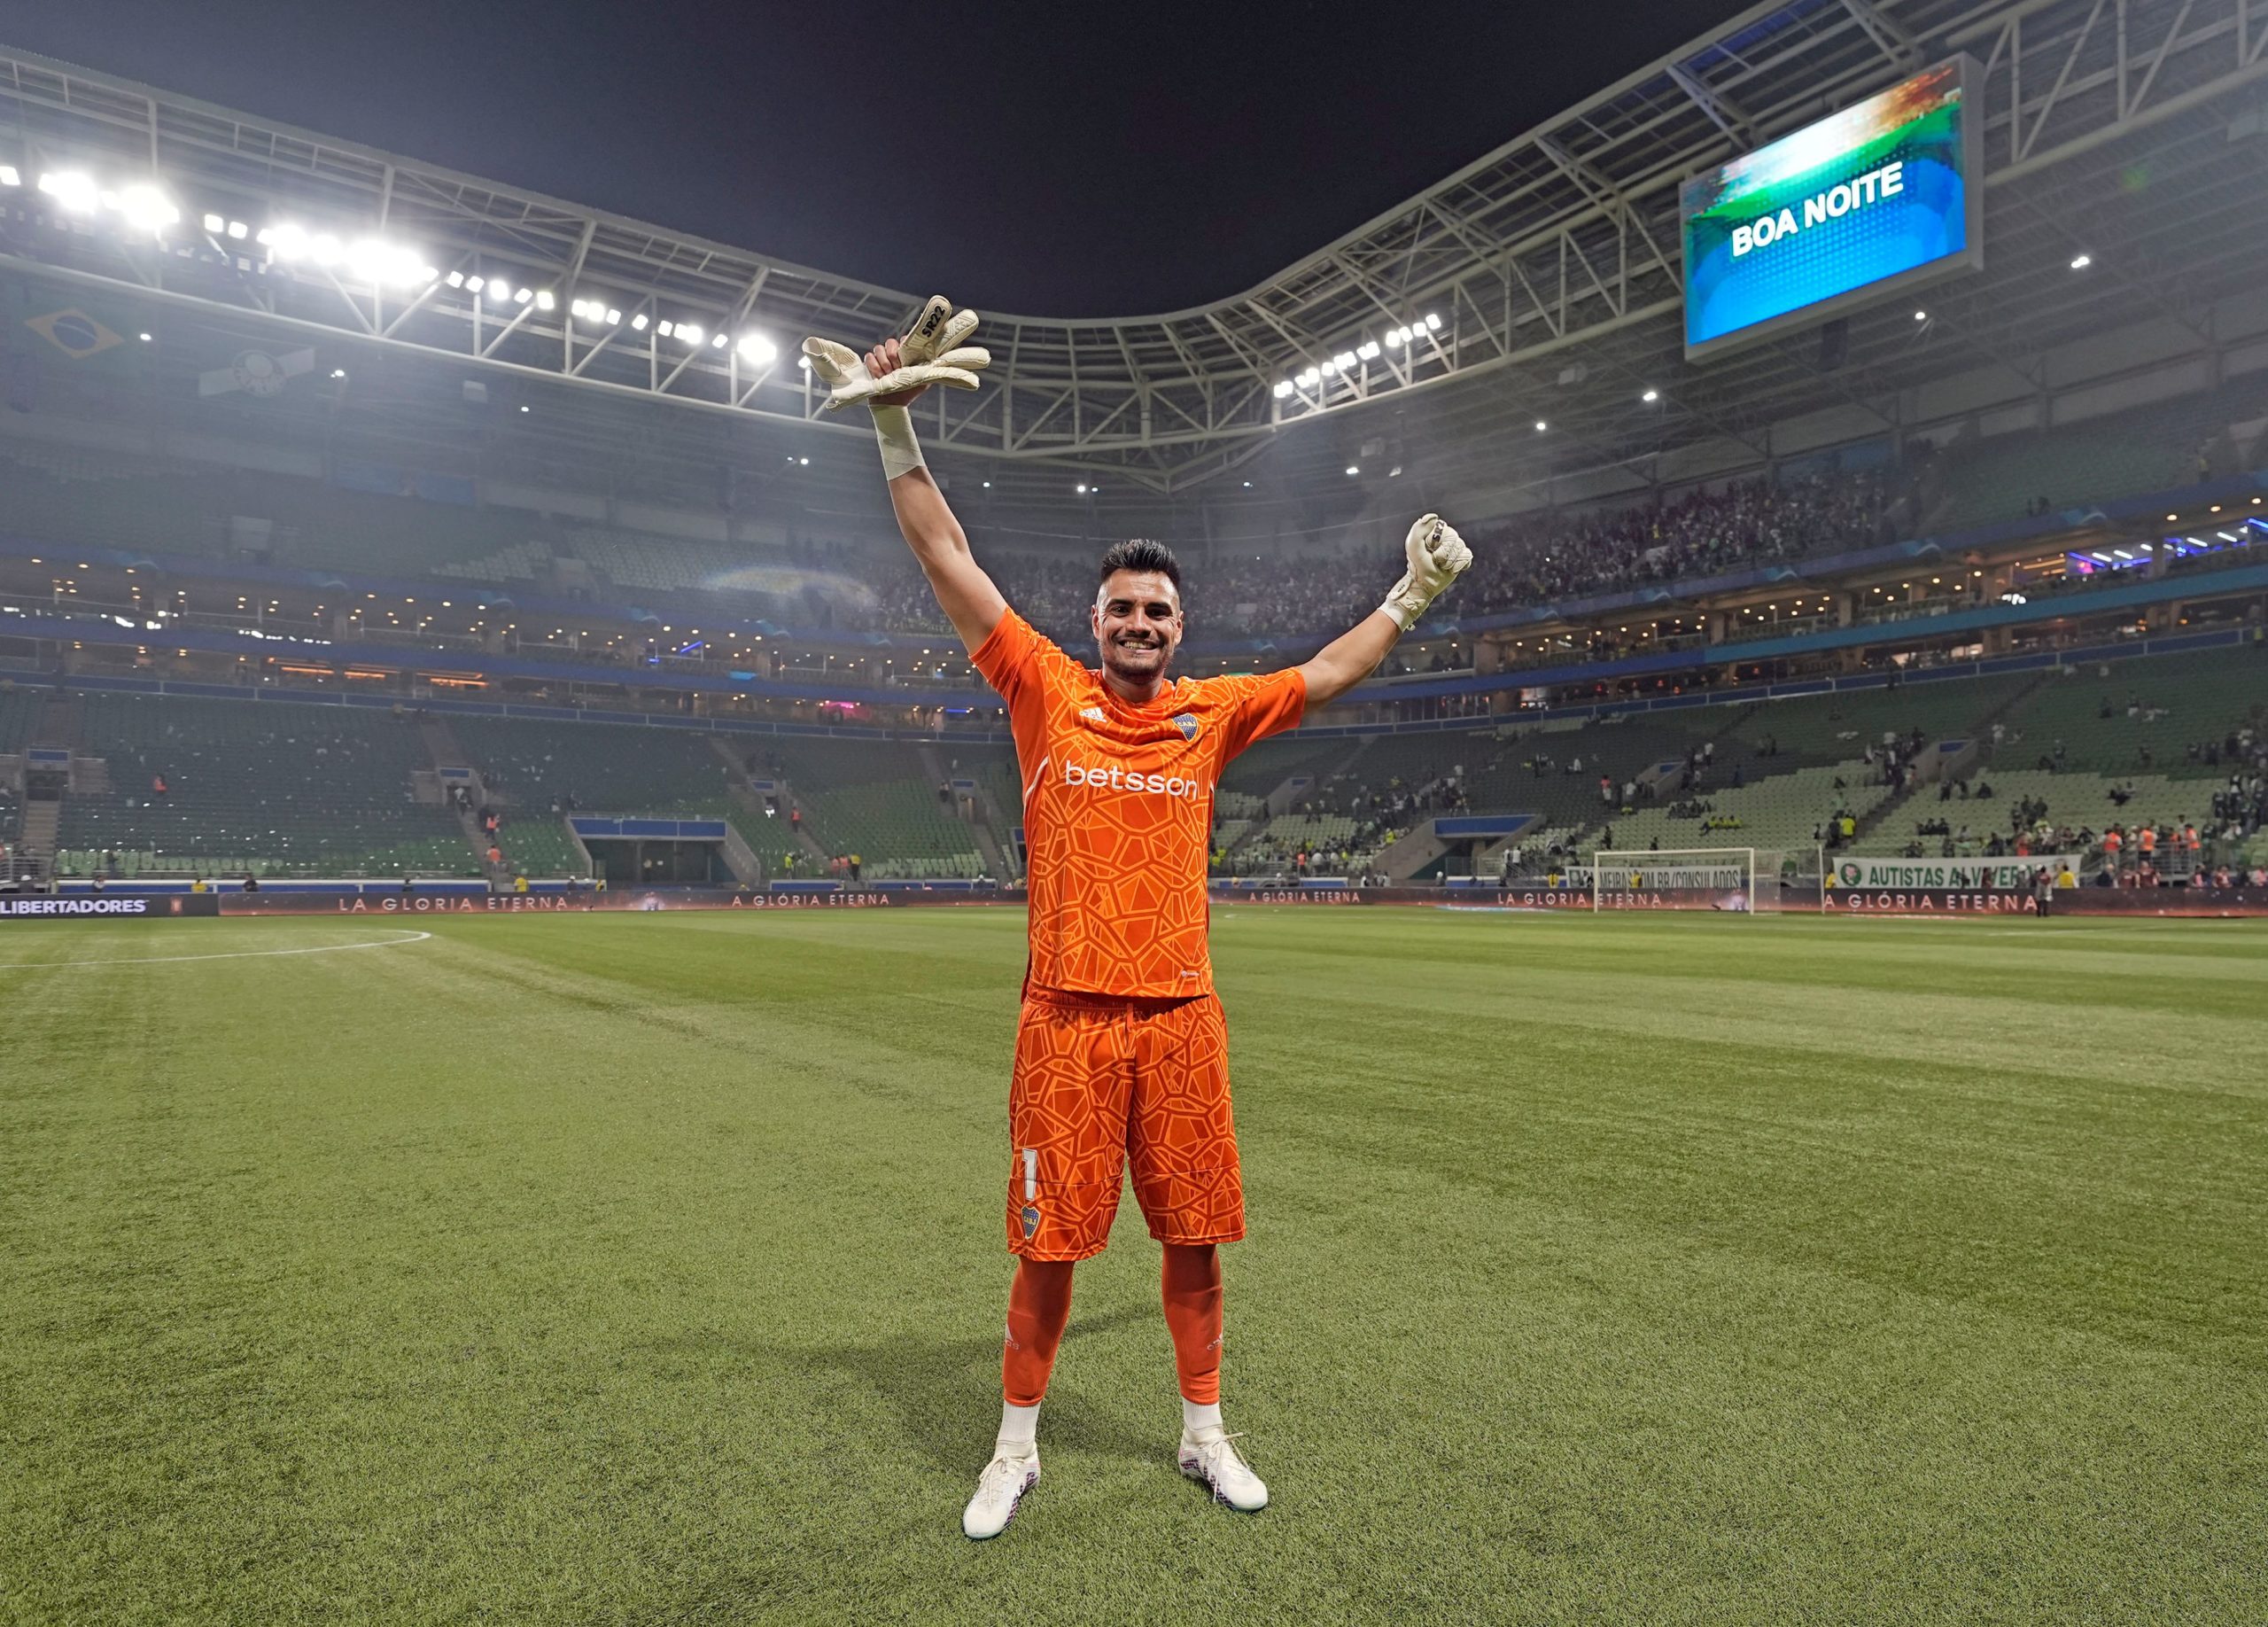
(64, 325)
(75, 332)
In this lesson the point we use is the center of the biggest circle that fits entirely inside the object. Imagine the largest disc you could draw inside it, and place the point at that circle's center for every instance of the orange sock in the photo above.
(1039, 1303)
(1193, 1296)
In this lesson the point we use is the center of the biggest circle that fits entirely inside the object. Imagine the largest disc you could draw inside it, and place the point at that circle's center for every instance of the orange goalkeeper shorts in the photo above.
(1097, 1079)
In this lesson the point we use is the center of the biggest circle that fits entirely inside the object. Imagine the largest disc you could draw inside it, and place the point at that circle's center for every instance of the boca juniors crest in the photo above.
(1186, 724)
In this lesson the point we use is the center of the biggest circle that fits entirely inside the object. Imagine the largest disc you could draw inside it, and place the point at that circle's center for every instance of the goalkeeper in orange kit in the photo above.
(1121, 1052)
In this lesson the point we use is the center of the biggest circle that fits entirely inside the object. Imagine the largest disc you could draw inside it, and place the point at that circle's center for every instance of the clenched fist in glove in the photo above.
(1438, 556)
(932, 353)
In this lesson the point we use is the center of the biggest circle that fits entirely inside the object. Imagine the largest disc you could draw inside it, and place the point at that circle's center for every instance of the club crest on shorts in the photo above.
(1186, 724)
(1031, 1218)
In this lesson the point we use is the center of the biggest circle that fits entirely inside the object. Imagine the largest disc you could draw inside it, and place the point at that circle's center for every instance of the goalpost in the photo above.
(1736, 880)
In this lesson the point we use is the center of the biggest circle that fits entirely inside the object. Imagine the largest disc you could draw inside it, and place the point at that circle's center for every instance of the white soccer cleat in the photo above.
(998, 1489)
(1211, 1457)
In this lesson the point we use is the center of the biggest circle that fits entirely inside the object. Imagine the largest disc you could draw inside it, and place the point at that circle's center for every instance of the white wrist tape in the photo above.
(1406, 603)
(901, 452)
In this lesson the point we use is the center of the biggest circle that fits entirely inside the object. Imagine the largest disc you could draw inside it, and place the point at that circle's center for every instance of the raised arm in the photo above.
(1437, 557)
(966, 594)
(1349, 659)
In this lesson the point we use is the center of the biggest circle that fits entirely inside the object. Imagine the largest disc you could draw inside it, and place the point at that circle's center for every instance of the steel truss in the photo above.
(1564, 240)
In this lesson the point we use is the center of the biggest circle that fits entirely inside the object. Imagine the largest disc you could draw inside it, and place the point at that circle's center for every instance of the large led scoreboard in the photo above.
(1866, 202)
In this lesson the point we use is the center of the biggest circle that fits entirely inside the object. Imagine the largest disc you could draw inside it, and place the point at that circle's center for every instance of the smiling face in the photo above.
(1138, 626)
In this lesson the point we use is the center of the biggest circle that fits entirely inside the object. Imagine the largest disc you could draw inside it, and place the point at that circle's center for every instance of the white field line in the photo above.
(236, 954)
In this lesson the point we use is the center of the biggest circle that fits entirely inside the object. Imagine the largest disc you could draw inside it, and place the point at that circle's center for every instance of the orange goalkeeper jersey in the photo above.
(1118, 810)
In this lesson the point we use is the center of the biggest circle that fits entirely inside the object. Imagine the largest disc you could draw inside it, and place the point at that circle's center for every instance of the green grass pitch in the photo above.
(648, 1269)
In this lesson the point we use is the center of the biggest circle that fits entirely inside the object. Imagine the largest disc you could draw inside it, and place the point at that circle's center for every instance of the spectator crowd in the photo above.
(1551, 556)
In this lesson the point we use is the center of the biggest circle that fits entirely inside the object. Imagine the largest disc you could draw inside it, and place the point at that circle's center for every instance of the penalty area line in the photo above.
(233, 954)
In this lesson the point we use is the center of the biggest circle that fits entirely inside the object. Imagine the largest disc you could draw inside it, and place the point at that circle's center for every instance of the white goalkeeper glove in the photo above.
(1438, 556)
(932, 353)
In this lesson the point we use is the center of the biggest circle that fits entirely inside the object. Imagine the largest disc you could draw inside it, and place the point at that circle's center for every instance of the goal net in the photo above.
(1740, 880)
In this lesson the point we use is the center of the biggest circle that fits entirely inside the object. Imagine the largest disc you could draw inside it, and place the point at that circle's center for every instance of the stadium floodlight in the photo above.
(1284, 387)
(146, 209)
(474, 285)
(237, 230)
(524, 296)
(1433, 322)
(1354, 469)
(213, 223)
(146, 338)
(74, 190)
(338, 372)
(2080, 263)
(1369, 352)
(544, 300)
(613, 317)
(758, 348)
(285, 242)
(8, 175)
(371, 261)
(664, 328)
(1541, 426)
(689, 332)
(1328, 370)
(806, 462)
(1921, 315)
(456, 279)
(715, 341)
(1651, 396)
(1394, 339)
(324, 249)
(1345, 360)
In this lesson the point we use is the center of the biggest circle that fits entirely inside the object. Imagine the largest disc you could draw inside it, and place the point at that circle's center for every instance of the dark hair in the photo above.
(1140, 554)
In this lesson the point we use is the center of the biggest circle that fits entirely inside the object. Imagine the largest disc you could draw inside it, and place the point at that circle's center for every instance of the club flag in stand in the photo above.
(73, 332)
(256, 372)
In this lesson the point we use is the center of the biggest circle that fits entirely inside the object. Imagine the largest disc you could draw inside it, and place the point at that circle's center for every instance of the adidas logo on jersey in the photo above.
(1093, 714)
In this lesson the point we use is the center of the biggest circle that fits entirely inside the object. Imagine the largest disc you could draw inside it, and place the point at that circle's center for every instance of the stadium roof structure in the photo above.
(1540, 283)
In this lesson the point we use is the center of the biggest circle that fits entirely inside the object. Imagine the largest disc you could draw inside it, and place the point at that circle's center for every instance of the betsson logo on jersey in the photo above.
(1120, 779)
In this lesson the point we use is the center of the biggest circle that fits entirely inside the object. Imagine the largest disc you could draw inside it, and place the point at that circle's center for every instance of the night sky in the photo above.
(1076, 159)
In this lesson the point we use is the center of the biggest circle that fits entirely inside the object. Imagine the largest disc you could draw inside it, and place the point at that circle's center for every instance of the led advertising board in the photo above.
(1856, 206)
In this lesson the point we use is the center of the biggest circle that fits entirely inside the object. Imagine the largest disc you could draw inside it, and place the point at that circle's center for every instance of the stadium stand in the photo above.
(539, 846)
(1268, 764)
(873, 798)
(1540, 557)
(595, 768)
(276, 789)
(1555, 772)
(18, 711)
(18, 714)
(1779, 811)
(285, 787)
(1332, 838)
(120, 501)
(2157, 717)
(2149, 448)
